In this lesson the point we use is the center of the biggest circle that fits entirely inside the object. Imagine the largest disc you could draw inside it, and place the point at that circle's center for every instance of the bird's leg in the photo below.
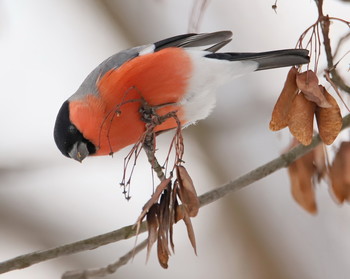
(149, 113)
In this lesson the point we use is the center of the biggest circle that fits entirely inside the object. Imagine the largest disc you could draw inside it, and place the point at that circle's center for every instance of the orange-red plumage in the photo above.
(158, 78)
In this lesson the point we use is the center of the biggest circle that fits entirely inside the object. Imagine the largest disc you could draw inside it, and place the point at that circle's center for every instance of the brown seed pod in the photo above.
(301, 172)
(152, 226)
(340, 173)
(320, 162)
(279, 119)
(308, 83)
(300, 119)
(329, 120)
(187, 192)
(162, 252)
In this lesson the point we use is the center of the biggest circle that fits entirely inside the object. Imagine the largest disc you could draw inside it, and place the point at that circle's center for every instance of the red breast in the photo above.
(111, 119)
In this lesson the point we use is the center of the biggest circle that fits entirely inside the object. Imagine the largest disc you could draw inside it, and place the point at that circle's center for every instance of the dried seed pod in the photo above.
(162, 251)
(340, 173)
(190, 232)
(159, 190)
(279, 119)
(308, 83)
(300, 119)
(187, 192)
(152, 225)
(320, 161)
(301, 172)
(329, 120)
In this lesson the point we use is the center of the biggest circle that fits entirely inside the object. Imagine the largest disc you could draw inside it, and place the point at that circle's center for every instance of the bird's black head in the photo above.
(69, 140)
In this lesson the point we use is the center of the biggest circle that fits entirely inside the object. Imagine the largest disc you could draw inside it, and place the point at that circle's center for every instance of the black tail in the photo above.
(269, 59)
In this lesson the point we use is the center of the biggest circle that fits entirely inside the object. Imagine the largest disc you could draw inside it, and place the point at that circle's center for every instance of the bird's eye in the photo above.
(72, 129)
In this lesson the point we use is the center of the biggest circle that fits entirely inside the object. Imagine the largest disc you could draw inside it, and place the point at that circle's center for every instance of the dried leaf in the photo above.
(300, 119)
(152, 225)
(340, 173)
(187, 192)
(301, 172)
(329, 120)
(279, 119)
(308, 83)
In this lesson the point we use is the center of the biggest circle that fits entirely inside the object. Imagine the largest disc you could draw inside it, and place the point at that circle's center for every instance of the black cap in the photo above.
(66, 134)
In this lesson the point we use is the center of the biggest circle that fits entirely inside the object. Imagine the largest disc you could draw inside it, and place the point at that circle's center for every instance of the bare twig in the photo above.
(109, 269)
(197, 13)
(328, 78)
(129, 231)
(69, 249)
(340, 42)
(325, 24)
(274, 6)
(149, 147)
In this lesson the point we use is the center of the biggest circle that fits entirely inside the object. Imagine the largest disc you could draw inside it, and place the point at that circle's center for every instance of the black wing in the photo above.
(213, 41)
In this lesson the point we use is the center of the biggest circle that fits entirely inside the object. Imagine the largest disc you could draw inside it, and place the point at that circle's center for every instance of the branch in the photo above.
(340, 42)
(197, 13)
(149, 148)
(325, 24)
(69, 249)
(129, 231)
(109, 269)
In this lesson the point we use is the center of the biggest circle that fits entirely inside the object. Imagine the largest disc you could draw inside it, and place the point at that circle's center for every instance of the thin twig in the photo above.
(197, 13)
(69, 249)
(149, 147)
(340, 42)
(328, 78)
(129, 231)
(109, 269)
(325, 24)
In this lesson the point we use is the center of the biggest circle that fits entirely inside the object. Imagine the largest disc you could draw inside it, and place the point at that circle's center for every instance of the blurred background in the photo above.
(47, 48)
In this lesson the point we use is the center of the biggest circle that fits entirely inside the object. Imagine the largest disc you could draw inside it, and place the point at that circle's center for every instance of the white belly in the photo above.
(208, 75)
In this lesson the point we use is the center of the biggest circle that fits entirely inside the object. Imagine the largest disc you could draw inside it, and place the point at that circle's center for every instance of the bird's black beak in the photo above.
(79, 151)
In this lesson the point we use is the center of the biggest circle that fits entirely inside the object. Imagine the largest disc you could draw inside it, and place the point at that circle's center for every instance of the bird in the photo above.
(179, 74)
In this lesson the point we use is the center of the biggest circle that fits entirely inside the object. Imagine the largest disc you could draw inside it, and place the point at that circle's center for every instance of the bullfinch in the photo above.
(177, 74)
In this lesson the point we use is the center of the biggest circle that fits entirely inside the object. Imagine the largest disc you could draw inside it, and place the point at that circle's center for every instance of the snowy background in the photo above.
(46, 50)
